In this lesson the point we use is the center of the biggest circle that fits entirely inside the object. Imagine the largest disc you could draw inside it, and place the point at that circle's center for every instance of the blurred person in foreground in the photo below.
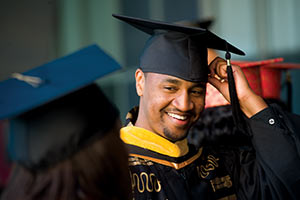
(63, 133)
(171, 82)
(5, 166)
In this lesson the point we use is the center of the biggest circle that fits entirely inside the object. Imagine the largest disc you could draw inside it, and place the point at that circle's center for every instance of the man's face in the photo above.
(169, 106)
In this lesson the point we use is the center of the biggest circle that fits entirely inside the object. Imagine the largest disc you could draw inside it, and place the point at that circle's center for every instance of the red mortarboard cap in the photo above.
(271, 78)
(264, 78)
(257, 81)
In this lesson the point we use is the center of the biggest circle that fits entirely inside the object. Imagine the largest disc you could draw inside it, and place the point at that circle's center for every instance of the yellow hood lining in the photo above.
(148, 140)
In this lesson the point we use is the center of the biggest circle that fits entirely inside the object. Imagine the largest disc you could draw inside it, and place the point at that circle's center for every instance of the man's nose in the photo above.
(183, 102)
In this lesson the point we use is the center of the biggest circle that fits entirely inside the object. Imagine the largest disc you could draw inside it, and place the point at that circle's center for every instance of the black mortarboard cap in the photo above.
(55, 109)
(203, 23)
(177, 50)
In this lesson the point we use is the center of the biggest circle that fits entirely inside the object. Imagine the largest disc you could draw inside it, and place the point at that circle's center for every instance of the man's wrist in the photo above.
(252, 105)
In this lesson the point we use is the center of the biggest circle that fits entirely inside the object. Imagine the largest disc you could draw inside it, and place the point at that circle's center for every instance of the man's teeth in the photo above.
(177, 116)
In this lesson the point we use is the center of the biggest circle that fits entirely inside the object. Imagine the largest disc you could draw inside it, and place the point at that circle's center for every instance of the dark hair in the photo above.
(97, 171)
(216, 127)
(214, 124)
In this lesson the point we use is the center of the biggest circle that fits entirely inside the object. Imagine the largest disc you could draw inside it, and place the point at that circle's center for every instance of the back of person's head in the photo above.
(98, 171)
(214, 126)
(63, 133)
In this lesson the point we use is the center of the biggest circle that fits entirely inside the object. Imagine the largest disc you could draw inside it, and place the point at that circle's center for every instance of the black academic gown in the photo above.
(269, 168)
(200, 179)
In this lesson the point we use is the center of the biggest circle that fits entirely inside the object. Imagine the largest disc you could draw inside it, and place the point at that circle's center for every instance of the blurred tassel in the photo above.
(235, 105)
(288, 83)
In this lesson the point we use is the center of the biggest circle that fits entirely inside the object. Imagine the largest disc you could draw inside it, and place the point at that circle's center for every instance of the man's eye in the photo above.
(170, 88)
(197, 92)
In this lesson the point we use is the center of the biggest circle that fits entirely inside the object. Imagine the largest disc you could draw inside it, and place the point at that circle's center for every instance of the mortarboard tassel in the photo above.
(235, 105)
(288, 83)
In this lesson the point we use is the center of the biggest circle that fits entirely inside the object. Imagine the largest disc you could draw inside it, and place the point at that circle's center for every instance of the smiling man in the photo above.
(171, 83)
(168, 105)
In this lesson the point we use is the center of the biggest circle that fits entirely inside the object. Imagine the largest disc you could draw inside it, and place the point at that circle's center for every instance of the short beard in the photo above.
(168, 134)
(171, 137)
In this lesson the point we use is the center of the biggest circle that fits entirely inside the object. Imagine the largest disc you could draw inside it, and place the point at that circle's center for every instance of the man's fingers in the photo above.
(220, 85)
(218, 67)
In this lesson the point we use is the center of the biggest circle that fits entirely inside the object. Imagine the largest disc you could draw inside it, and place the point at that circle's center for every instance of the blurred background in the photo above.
(34, 32)
(37, 31)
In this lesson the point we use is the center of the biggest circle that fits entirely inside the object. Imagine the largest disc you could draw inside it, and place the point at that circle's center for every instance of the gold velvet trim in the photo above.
(168, 163)
(146, 139)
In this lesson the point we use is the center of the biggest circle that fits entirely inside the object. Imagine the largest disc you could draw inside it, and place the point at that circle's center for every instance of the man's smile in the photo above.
(177, 116)
(179, 120)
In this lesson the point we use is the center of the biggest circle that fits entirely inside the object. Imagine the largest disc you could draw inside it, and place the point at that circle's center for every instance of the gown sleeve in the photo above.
(270, 169)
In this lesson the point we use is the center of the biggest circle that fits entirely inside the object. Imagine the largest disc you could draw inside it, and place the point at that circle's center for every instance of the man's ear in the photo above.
(139, 82)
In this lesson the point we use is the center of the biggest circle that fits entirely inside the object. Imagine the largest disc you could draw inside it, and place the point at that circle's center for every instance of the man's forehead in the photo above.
(165, 78)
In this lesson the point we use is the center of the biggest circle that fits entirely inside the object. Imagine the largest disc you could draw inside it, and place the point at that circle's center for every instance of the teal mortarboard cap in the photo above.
(56, 108)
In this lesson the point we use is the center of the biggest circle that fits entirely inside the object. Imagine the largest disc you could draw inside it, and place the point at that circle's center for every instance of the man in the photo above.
(171, 82)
